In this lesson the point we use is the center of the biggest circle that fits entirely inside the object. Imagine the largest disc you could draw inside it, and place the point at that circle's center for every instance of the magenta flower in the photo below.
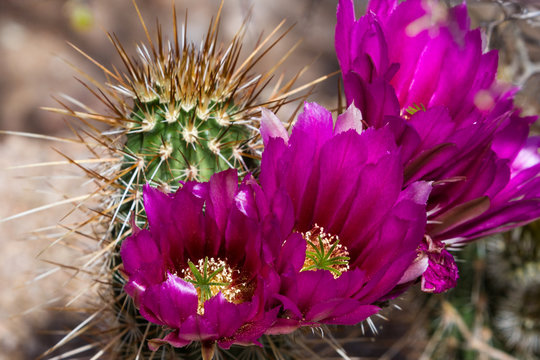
(425, 51)
(417, 67)
(353, 230)
(198, 269)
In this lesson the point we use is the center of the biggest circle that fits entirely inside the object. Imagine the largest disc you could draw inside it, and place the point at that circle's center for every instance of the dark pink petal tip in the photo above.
(442, 272)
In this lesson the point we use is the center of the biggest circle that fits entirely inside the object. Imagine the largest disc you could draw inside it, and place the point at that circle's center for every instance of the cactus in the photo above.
(178, 112)
(517, 317)
(514, 274)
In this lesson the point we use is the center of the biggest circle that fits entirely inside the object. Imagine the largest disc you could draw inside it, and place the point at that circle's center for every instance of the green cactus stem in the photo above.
(178, 112)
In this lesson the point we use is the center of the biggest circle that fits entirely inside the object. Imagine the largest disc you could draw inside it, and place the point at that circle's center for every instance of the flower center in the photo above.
(325, 252)
(211, 276)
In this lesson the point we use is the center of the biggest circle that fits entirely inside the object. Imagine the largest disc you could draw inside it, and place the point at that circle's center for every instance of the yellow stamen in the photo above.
(211, 276)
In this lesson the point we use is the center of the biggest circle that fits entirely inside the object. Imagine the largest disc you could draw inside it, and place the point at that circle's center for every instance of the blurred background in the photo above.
(37, 65)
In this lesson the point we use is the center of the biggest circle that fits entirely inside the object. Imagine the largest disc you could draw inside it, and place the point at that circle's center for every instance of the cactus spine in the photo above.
(178, 112)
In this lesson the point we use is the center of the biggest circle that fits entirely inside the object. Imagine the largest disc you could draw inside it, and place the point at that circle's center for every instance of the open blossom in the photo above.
(198, 269)
(353, 230)
(416, 66)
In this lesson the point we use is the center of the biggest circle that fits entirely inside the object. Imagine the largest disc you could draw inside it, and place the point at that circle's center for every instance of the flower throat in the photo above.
(211, 276)
(324, 252)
